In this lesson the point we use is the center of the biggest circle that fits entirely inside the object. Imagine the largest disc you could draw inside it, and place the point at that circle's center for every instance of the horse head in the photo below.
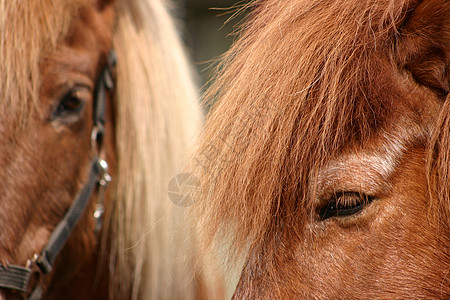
(67, 112)
(324, 165)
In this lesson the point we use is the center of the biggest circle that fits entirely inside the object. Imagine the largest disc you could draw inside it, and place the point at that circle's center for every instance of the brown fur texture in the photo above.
(318, 98)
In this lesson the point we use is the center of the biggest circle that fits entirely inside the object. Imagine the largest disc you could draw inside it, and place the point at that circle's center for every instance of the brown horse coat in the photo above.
(324, 166)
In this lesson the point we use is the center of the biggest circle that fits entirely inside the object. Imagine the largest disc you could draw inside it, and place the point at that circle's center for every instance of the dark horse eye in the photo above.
(344, 204)
(70, 104)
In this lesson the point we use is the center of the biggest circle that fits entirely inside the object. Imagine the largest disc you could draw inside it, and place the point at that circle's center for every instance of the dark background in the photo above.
(207, 30)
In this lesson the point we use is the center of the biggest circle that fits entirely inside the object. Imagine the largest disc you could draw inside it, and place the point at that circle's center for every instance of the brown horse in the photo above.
(56, 91)
(325, 164)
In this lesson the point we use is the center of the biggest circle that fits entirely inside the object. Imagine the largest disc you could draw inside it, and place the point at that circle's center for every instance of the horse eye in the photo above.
(70, 104)
(345, 204)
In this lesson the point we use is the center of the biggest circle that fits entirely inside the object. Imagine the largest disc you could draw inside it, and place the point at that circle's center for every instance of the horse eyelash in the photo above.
(343, 204)
(348, 198)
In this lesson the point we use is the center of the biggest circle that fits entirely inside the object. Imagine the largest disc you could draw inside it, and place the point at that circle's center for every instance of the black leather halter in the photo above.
(26, 279)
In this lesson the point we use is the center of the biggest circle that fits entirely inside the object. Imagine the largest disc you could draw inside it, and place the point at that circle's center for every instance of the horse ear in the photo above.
(424, 45)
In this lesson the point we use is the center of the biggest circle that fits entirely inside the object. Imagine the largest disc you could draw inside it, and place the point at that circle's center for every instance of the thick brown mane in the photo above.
(306, 81)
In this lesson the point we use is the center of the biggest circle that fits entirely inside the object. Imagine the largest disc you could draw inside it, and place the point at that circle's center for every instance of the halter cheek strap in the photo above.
(26, 280)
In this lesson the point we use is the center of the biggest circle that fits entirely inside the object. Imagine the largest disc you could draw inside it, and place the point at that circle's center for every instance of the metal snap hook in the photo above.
(103, 182)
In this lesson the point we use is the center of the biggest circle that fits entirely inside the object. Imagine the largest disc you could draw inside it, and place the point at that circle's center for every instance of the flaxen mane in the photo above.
(157, 118)
(154, 83)
(305, 79)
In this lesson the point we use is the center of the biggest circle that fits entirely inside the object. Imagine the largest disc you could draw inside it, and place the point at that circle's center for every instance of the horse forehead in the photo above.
(368, 169)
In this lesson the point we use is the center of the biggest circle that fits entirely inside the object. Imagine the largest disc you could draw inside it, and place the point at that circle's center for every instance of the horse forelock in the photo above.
(305, 80)
(28, 31)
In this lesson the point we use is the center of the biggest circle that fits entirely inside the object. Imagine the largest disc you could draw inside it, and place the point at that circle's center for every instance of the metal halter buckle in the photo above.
(34, 288)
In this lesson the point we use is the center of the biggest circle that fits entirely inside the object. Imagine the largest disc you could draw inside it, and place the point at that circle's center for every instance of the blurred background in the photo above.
(207, 29)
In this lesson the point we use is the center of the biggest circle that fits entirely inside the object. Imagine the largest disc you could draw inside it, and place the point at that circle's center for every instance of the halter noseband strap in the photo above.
(25, 280)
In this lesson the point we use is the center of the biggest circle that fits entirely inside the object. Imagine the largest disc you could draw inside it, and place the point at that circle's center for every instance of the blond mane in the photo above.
(157, 121)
